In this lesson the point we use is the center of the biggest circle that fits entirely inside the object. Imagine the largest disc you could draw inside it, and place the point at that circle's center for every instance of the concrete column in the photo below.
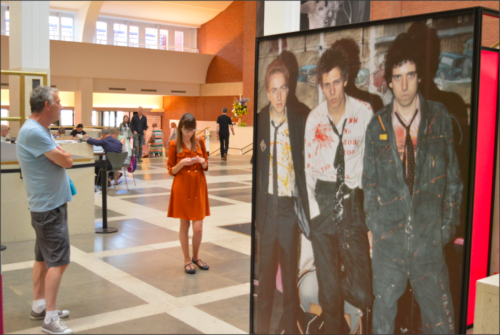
(84, 102)
(85, 21)
(281, 17)
(29, 50)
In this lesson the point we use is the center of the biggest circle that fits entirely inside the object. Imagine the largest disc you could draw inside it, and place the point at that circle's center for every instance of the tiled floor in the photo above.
(133, 281)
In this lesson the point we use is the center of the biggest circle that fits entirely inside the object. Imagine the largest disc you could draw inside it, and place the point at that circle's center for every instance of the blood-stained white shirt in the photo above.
(321, 145)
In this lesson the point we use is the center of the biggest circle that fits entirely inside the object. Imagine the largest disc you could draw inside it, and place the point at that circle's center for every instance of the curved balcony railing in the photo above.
(148, 46)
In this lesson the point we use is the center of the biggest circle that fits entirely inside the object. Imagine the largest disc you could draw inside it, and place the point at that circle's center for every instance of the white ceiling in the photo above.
(185, 13)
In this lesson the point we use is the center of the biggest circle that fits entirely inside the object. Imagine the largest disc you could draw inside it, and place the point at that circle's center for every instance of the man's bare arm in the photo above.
(232, 129)
(60, 157)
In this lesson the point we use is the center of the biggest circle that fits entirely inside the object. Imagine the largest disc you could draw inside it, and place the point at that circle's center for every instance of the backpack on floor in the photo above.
(133, 165)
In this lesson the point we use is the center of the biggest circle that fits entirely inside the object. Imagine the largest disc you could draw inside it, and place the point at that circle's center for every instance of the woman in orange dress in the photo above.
(187, 159)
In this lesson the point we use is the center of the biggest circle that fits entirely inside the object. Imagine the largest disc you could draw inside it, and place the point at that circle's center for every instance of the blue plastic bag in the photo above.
(72, 187)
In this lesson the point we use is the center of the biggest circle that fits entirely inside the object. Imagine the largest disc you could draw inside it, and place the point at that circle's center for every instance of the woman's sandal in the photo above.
(189, 271)
(203, 267)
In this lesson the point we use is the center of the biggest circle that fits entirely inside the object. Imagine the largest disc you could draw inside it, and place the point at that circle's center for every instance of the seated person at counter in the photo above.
(5, 132)
(125, 148)
(61, 132)
(109, 143)
(78, 131)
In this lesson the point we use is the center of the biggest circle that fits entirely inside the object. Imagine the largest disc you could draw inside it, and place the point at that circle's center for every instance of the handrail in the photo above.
(22, 98)
(201, 131)
(241, 149)
(495, 45)
(146, 46)
(99, 127)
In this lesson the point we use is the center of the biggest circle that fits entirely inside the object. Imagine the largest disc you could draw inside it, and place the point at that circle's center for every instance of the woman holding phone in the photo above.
(187, 161)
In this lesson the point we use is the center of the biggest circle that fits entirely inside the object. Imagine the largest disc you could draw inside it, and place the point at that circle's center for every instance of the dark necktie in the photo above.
(339, 165)
(275, 168)
(409, 155)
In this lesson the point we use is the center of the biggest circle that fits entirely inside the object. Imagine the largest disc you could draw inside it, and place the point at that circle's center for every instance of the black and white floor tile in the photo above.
(133, 281)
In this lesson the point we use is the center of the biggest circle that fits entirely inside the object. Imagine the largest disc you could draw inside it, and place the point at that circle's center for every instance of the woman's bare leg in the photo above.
(197, 236)
(184, 239)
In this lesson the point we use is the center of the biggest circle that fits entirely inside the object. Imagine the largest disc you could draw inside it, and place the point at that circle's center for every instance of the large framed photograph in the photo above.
(363, 149)
(322, 14)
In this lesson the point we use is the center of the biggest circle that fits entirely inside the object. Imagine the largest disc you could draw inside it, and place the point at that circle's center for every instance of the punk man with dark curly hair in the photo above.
(412, 196)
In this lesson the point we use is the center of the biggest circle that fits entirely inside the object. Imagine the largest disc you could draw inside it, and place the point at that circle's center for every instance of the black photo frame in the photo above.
(468, 198)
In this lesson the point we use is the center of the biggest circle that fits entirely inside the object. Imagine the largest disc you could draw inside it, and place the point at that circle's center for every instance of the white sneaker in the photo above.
(56, 326)
(40, 316)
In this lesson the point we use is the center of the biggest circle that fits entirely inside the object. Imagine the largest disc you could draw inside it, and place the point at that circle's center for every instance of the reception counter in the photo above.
(16, 218)
(486, 309)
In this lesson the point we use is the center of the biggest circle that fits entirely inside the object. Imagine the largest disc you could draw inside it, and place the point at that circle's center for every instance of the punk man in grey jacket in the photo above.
(412, 196)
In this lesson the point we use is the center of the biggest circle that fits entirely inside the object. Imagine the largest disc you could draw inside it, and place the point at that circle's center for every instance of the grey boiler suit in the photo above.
(409, 232)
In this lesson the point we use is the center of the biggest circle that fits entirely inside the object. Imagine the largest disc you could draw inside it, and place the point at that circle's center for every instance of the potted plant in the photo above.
(240, 108)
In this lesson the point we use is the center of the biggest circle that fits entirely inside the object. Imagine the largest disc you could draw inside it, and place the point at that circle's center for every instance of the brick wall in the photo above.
(391, 9)
(230, 36)
(203, 109)
(249, 57)
(223, 37)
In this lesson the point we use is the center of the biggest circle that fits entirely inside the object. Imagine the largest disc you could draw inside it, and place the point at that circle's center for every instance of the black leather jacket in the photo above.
(296, 124)
(411, 231)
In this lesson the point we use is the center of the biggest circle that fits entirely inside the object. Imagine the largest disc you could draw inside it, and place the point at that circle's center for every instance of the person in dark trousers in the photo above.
(279, 188)
(109, 143)
(413, 193)
(224, 122)
(334, 145)
(138, 126)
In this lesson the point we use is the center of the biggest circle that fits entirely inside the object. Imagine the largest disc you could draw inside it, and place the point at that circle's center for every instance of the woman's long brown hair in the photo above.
(189, 122)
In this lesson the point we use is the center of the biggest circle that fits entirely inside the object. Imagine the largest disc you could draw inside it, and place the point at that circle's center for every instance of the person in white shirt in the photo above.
(334, 148)
(5, 132)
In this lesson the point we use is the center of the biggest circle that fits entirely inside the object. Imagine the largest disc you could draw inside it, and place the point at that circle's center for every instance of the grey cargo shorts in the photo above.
(52, 236)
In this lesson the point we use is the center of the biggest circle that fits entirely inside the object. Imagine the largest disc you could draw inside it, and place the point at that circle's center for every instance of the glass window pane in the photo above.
(120, 34)
(119, 118)
(5, 113)
(133, 36)
(112, 119)
(66, 28)
(101, 33)
(179, 40)
(54, 27)
(106, 119)
(151, 38)
(95, 119)
(163, 39)
(66, 117)
(7, 19)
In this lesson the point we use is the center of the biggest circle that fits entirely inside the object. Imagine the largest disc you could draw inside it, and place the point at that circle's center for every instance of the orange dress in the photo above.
(189, 194)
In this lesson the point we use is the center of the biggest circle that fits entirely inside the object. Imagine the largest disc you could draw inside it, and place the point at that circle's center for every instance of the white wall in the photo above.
(281, 17)
(108, 62)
